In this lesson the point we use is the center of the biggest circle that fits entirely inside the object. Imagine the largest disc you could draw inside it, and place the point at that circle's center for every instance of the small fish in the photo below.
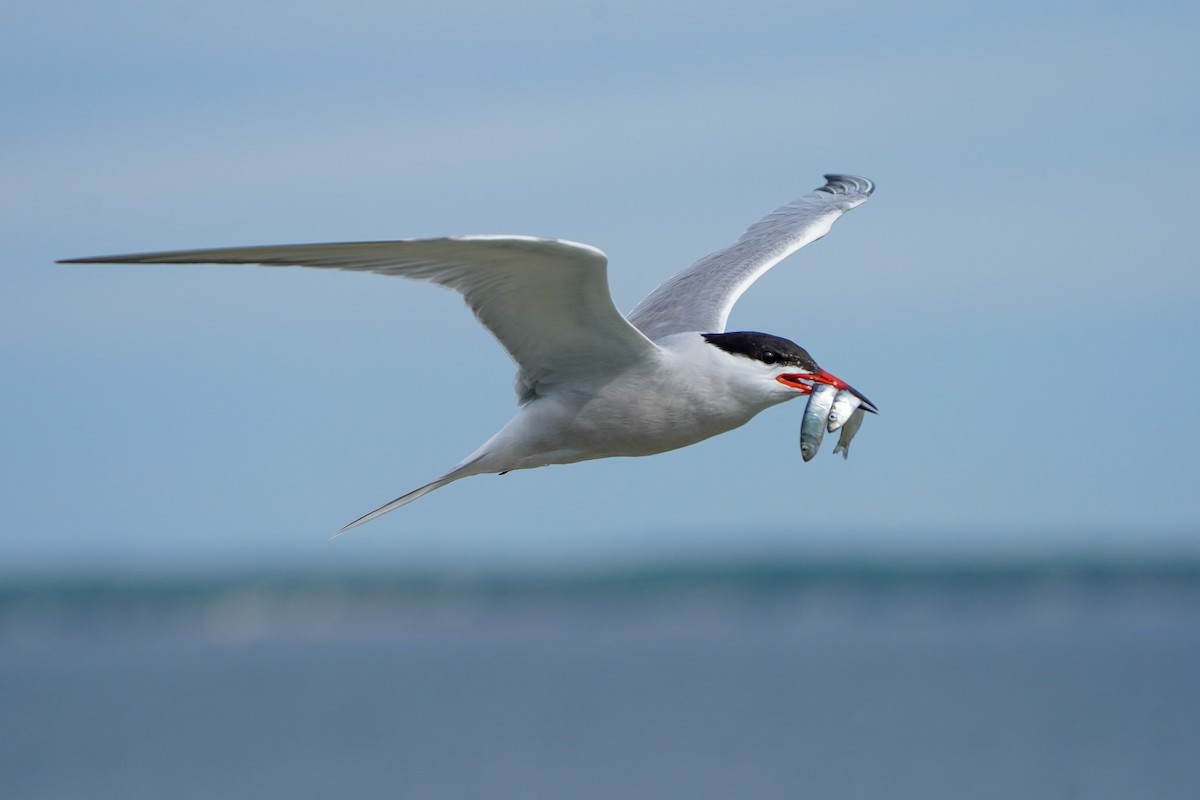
(816, 416)
(848, 430)
(843, 406)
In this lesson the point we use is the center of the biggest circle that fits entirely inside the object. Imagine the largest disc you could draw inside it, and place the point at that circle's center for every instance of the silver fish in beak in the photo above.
(844, 404)
(848, 430)
(816, 417)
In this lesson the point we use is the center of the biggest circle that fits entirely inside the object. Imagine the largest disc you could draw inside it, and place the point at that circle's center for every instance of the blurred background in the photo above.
(996, 595)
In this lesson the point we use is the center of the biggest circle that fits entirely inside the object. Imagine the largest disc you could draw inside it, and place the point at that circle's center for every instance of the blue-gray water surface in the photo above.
(840, 684)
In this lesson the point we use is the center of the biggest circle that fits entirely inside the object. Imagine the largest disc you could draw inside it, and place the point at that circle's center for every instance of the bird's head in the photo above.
(783, 361)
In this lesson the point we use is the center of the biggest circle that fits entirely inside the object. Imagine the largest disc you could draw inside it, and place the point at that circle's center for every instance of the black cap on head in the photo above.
(764, 347)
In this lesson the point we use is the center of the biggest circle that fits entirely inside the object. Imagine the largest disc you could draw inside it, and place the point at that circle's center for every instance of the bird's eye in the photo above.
(770, 356)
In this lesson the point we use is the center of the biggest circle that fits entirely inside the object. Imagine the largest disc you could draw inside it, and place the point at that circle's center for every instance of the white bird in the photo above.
(591, 383)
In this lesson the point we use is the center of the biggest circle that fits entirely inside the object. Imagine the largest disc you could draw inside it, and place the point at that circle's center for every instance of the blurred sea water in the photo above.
(748, 680)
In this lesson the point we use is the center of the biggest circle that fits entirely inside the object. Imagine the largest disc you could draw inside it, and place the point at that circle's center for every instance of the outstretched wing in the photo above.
(546, 300)
(700, 297)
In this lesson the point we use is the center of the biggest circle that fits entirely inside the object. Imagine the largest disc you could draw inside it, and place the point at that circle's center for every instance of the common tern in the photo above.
(590, 382)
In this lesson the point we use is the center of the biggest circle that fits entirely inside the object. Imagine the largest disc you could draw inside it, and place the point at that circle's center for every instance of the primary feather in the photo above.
(700, 297)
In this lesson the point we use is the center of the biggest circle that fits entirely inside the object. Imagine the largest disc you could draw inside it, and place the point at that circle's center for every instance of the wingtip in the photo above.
(95, 260)
(838, 183)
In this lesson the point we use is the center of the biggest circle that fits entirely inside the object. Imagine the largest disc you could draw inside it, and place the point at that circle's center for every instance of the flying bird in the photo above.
(590, 382)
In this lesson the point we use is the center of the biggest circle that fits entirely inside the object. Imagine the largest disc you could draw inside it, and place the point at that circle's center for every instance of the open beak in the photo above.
(804, 381)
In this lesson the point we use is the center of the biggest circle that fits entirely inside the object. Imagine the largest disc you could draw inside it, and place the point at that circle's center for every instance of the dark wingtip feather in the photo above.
(846, 184)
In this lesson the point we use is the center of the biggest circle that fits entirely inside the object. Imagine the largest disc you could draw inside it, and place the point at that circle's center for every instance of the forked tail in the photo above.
(463, 470)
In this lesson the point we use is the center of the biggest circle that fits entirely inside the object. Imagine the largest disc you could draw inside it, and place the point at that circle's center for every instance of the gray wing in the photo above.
(700, 297)
(545, 300)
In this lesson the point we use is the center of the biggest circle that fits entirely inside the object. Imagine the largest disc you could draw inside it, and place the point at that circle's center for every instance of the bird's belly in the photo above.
(623, 427)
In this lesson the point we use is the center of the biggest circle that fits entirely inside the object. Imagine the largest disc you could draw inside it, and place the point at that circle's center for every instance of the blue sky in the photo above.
(1019, 297)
